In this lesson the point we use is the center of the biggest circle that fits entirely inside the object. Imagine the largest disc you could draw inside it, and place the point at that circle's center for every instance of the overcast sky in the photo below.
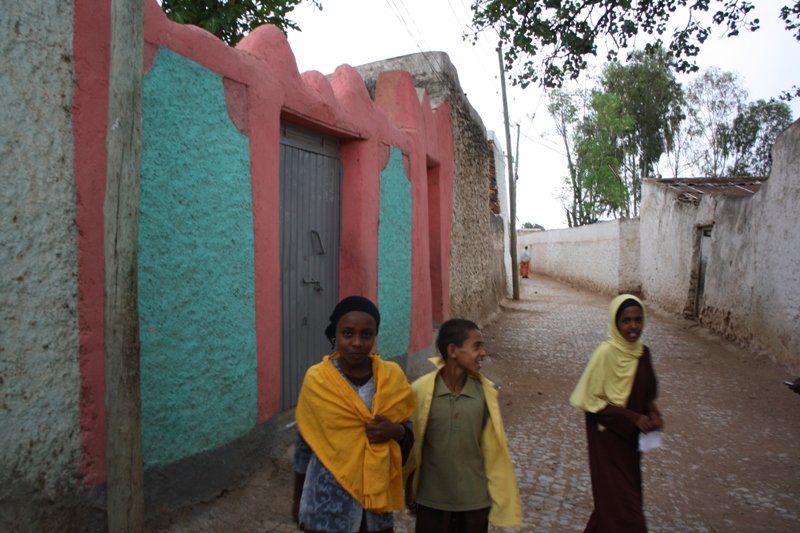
(356, 32)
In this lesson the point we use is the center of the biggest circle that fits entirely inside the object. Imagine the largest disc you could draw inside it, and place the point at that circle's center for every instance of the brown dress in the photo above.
(614, 458)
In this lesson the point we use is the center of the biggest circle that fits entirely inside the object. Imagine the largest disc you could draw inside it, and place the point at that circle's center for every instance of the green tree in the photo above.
(233, 19)
(550, 40)
(713, 100)
(598, 155)
(591, 189)
(754, 131)
(651, 97)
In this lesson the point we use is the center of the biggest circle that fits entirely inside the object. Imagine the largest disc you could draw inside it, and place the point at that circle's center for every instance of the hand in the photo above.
(645, 424)
(381, 429)
(655, 417)
(412, 506)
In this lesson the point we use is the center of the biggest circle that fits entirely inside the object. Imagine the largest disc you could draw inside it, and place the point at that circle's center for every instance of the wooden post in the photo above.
(120, 240)
(512, 186)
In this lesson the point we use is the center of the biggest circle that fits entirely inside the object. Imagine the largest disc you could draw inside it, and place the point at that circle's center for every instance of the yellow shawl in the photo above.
(331, 418)
(503, 489)
(608, 378)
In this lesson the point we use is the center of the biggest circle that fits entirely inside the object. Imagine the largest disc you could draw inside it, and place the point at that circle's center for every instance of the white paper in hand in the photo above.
(649, 441)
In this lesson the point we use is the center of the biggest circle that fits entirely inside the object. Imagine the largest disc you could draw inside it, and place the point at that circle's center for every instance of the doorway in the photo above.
(703, 252)
(310, 204)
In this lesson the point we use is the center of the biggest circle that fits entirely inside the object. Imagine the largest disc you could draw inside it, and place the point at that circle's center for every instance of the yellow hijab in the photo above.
(608, 378)
(331, 418)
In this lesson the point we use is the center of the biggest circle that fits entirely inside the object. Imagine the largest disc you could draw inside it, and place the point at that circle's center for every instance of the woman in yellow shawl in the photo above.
(354, 431)
(617, 392)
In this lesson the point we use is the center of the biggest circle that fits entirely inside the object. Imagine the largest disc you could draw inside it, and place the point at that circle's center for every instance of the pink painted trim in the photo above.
(92, 32)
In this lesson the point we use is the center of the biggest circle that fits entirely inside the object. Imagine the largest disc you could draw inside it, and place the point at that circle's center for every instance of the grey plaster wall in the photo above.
(39, 372)
(474, 259)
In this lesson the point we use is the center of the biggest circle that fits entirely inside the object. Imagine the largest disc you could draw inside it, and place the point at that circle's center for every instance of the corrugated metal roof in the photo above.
(692, 189)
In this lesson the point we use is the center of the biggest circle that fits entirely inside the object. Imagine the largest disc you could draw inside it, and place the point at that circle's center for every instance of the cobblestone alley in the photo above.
(731, 455)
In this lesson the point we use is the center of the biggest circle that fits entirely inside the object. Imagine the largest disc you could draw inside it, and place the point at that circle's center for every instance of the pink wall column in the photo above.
(441, 209)
(92, 34)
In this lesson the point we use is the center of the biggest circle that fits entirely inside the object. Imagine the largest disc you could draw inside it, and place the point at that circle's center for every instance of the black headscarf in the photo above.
(630, 302)
(350, 304)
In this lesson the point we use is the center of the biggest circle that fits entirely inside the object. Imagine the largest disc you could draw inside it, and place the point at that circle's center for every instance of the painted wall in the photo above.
(208, 250)
(209, 236)
(196, 279)
(774, 311)
(394, 269)
(466, 253)
(39, 348)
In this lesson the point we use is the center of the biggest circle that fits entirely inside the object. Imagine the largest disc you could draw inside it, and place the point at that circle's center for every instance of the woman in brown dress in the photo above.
(617, 392)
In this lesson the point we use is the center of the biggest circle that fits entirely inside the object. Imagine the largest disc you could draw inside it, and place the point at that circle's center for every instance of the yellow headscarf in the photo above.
(608, 378)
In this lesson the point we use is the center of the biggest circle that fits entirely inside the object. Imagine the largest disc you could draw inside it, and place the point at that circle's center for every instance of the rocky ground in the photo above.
(731, 455)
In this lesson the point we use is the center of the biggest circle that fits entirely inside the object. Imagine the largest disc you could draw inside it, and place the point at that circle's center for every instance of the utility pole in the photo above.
(120, 239)
(512, 186)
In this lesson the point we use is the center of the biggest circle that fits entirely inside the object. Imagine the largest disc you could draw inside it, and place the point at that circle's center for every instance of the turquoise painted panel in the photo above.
(196, 271)
(394, 258)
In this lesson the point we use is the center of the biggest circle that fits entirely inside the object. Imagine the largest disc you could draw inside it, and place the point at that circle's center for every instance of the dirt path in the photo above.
(731, 455)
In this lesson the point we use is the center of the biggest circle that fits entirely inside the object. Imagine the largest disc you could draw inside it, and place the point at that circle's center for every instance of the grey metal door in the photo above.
(311, 177)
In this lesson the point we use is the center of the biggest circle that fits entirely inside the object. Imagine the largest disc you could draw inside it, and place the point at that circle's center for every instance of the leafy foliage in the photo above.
(551, 39)
(753, 133)
(232, 19)
(714, 98)
(650, 95)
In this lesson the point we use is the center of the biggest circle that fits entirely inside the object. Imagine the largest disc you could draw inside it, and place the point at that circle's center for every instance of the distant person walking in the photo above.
(617, 392)
(524, 263)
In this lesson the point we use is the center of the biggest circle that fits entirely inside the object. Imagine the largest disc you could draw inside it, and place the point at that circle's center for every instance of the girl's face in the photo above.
(631, 323)
(470, 354)
(355, 338)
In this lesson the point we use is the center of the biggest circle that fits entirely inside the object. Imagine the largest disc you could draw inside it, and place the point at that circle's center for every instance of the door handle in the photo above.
(312, 281)
(319, 240)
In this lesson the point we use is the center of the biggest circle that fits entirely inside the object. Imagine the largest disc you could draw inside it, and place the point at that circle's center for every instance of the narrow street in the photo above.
(731, 455)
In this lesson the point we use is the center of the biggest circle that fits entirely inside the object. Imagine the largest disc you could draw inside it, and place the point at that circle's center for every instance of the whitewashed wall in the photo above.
(502, 194)
(668, 245)
(587, 256)
(752, 281)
